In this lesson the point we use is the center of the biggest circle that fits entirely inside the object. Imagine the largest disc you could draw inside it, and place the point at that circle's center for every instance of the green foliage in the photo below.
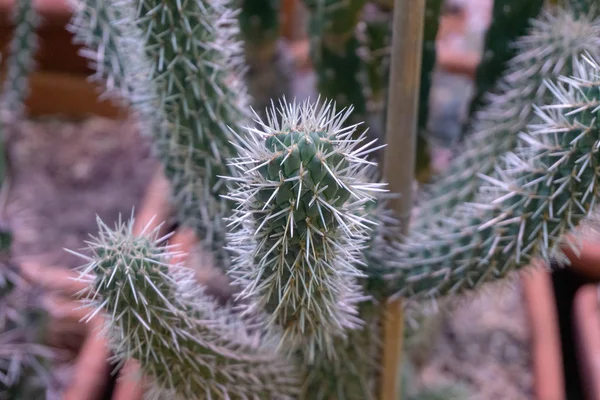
(551, 47)
(301, 224)
(187, 345)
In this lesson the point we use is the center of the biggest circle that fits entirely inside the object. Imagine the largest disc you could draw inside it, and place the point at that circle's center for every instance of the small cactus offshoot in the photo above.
(188, 346)
(300, 226)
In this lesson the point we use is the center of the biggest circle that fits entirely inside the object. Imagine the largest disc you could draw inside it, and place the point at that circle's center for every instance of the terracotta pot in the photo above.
(586, 312)
(587, 262)
(546, 345)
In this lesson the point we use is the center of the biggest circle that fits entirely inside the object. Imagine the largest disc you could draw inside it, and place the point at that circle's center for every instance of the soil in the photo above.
(64, 174)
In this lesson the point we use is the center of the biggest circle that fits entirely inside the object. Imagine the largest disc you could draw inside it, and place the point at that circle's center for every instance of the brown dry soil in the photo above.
(66, 173)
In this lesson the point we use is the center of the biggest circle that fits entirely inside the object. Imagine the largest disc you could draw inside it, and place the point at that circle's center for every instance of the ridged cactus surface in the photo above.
(198, 72)
(300, 225)
(188, 346)
(551, 47)
(536, 194)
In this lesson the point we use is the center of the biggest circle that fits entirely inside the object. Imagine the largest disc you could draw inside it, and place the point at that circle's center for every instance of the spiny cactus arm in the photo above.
(300, 225)
(510, 20)
(94, 26)
(198, 72)
(550, 48)
(544, 189)
(156, 313)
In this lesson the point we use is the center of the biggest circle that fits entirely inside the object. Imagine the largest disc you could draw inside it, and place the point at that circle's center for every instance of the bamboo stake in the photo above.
(399, 159)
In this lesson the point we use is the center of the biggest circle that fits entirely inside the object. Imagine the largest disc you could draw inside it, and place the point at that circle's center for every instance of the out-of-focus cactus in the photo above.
(22, 370)
(301, 224)
(335, 57)
(353, 374)
(270, 66)
(510, 20)
(551, 47)
(19, 63)
(188, 346)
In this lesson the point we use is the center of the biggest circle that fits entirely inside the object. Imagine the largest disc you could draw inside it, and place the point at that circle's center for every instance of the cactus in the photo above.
(314, 252)
(353, 374)
(156, 313)
(510, 20)
(197, 70)
(551, 47)
(334, 52)
(542, 190)
(23, 370)
(19, 64)
(301, 196)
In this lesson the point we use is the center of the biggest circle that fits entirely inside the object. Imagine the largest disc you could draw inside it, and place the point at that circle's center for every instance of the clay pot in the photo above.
(586, 312)
(546, 345)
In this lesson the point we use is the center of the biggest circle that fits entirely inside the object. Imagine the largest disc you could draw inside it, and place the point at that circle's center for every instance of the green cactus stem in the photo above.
(551, 47)
(353, 374)
(300, 225)
(187, 345)
(539, 192)
(198, 72)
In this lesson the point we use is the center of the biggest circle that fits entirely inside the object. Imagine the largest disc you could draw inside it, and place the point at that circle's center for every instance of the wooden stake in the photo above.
(399, 159)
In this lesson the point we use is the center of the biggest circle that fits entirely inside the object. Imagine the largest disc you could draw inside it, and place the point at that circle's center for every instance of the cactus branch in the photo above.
(540, 191)
(300, 225)
(156, 313)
